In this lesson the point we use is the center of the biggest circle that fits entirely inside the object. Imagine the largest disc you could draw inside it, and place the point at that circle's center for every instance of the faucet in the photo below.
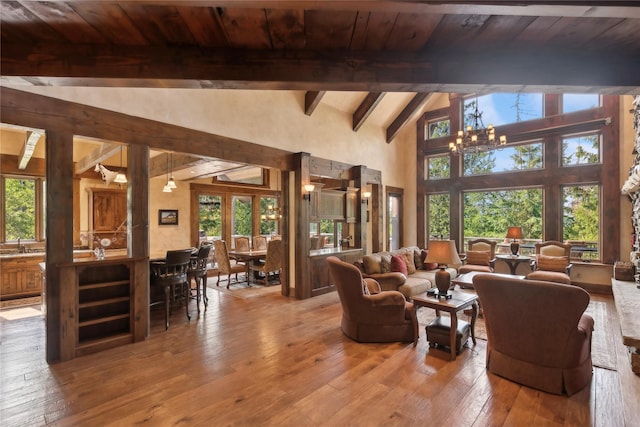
(21, 248)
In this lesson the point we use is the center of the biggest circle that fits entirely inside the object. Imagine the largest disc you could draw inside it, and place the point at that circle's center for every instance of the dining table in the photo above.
(248, 257)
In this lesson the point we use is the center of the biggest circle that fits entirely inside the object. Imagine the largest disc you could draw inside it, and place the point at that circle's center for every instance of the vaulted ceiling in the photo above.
(376, 47)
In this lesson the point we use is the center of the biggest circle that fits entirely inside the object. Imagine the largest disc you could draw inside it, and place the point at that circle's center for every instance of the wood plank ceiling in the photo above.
(370, 46)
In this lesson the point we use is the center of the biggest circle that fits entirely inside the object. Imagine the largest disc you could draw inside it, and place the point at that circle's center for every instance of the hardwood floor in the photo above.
(271, 360)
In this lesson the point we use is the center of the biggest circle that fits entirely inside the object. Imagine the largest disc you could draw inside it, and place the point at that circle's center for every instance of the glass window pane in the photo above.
(438, 218)
(507, 159)
(488, 214)
(20, 209)
(241, 216)
(580, 150)
(502, 108)
(579, 101)
(210, 215)
(581, 220)
(438, 167)
(269, 215)
(438, 128)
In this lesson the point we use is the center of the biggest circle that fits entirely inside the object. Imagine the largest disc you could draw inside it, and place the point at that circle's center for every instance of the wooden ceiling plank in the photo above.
(246, 28)
(416, 103)
(163, 163)
(25, 24)
(286, 28)
(412, 31)
(98, 155)
(31, 140)
(366, 107)
(329, 30)
(65, 21)
(204, 25)
(111, 21)
(311, 101)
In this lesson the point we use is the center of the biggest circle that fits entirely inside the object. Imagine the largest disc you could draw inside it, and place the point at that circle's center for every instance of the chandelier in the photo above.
(476, 138)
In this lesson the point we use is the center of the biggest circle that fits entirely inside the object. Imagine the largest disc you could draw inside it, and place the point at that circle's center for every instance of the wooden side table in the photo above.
(513, 261)
(459, 301)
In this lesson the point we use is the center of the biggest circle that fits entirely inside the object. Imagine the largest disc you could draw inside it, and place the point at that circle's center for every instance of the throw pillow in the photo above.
(398, 264)
(478, 257)
(553, 263)
(428, 265)
(371, 264)
(417, 260)
(365, 288)
(408, 259)
(385, 263)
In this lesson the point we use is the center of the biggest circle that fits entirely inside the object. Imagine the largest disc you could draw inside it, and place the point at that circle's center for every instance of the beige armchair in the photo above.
(381, 317)
(551, 262)
(481, 256)
(537, 332)
(272, 263)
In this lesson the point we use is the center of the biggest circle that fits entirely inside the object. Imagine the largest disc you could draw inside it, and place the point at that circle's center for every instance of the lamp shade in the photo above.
(443, 252)
(514, 233)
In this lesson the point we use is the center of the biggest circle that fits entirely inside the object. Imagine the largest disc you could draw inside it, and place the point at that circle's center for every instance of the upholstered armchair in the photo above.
(381, 317)
(537, 332)
(481, 256)
(551, 262)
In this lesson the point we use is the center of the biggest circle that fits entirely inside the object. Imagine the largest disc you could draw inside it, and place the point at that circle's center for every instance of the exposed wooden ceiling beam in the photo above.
(28, 147)
(365, 108)
(457, 72)
(311, 101)
(98, 155)
(416, 103)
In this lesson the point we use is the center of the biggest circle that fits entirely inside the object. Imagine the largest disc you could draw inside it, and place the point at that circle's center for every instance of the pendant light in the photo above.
(167, 188)
(171, 183)
(120, 177)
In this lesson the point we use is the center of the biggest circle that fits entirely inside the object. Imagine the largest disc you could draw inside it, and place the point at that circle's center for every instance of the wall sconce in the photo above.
(308, 188)
(365, 197)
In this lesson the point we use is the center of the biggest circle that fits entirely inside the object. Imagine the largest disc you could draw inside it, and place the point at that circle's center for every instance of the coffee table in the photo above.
(459, 301)
(465, 281)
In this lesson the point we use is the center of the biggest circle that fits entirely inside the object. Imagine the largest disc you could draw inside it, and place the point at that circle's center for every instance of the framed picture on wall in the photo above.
(168, 217)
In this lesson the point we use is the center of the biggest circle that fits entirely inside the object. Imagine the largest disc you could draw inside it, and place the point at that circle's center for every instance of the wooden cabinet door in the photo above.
(108, 211)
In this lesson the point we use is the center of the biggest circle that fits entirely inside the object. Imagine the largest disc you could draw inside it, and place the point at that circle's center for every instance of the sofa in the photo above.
(538, 334)
(418, 277)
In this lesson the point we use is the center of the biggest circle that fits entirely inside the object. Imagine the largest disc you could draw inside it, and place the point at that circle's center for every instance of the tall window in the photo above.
(269, 215)
(580, 150)
(488, 214)
(438, 128)
(210, 215)
(438, 216)
(579, 101)
(511, 158)
(503, 108)
(241, 216)
(580, 219)
(23, 208)
(437, 167)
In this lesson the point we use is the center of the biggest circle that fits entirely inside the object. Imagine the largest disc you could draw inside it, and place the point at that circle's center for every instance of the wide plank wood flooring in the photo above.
(272, 360)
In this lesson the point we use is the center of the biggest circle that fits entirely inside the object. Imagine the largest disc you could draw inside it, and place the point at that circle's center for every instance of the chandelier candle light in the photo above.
(476, 138)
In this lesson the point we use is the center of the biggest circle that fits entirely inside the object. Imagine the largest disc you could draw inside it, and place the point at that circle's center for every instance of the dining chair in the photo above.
(259, 243)
(242, 244)
(198, 273)
(171, 276)
(224, 263)
(272, 263)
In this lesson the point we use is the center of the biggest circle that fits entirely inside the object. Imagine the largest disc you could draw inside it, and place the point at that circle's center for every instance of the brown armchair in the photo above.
(551, 262)
(381, 317)
(481, 256)
(537, 332)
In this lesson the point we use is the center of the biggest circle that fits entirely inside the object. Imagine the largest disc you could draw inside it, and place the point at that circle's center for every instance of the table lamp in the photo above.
(444, 253)
(514, 233)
